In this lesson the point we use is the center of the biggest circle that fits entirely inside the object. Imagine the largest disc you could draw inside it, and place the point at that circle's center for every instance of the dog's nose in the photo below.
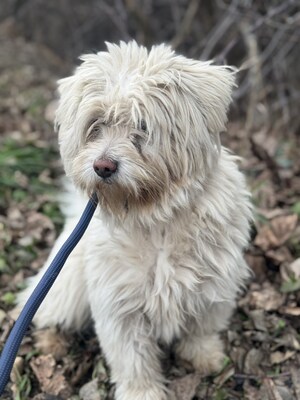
(105, 168)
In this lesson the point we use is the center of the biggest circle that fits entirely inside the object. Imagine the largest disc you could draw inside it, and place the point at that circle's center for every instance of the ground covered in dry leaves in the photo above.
(263, 340)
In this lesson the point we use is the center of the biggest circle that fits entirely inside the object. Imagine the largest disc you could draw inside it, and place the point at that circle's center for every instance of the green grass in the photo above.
(21, 166)
(9, 298)
(23, 387)
(296, 208)
(292, 285)
(21, 186)
(26, 159)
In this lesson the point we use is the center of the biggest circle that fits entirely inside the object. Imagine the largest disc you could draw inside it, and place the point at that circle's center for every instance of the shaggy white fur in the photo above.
(162, 262)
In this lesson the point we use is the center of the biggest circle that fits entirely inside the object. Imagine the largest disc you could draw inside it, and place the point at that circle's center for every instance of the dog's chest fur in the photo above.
(153, 274)
(165, 300)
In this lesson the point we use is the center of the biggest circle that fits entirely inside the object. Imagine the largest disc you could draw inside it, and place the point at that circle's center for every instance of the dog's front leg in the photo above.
(132, 354)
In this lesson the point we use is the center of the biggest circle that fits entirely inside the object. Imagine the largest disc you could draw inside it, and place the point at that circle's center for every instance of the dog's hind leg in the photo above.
(66, 305)
(205, 353)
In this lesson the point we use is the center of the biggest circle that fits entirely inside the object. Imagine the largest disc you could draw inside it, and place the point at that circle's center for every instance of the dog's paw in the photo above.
(205, 354)
(128, 392)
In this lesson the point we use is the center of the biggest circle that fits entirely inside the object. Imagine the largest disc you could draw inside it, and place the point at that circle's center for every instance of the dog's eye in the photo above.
(137, 140)
(94, 130)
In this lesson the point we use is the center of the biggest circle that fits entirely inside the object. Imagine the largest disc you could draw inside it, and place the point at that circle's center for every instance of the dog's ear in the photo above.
(210, 86)
(65, 118)
(68, 103)
(72, 113)
(86, 80)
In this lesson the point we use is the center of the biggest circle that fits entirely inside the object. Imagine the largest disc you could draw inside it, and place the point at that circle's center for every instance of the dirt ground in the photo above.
(262, 341)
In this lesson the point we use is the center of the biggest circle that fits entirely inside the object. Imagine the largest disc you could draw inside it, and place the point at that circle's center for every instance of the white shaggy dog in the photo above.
(162, 261)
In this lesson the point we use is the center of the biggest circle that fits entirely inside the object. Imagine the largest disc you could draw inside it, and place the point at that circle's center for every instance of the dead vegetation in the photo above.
(261, 38)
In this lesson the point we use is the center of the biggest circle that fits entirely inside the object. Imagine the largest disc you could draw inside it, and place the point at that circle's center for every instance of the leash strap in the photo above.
(20, 327)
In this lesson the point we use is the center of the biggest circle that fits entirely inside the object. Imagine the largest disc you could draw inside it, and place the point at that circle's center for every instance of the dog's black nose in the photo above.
(105, 168)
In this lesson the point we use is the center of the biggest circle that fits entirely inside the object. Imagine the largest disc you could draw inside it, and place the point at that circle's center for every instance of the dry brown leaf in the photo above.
(258, 319)
(41, 228)
(271, 389)
(267, 298)
(237, 355)
(266, 142)
(50, 376)
(290, 271)
(49, 341)
(271, 213)
(279, 357)
(258, 266)
(252, 362)
(288, 340)
(277, 232)
(224, 376)
(250, 392)
(257, 336)
(280, 255)
(296, 382)
(284, 226)
(45, 396)
(185, 388)
(15, 218)
(295, 311)
(266, 239)
(285, 392)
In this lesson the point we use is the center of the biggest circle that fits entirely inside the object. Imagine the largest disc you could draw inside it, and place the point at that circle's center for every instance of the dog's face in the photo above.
(135, 126)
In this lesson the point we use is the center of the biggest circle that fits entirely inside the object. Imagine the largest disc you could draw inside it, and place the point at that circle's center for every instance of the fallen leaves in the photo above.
(291, 270)
(296, 381)
(276, 232)
(293, 311)
(271, 390)
(258, 319)
(279, 357)
(49, 341)
(253, 361)
(184, 388)
(50, 376)
(288, 340)
(264, 297)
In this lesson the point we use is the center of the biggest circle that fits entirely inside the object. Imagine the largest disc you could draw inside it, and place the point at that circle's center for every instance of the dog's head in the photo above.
(137, 126)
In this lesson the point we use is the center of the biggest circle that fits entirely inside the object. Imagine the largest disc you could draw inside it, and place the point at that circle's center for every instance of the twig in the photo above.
(186, 23)
(145, 28)
(263, 155)
(259, 378)
(117, 19)
(176, 14)
(296, 382)
(219, 30)
(272, 390)
(259, 22)
(255, 77)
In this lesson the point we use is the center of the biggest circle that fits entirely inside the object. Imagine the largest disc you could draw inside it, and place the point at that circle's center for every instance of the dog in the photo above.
(162, 261)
